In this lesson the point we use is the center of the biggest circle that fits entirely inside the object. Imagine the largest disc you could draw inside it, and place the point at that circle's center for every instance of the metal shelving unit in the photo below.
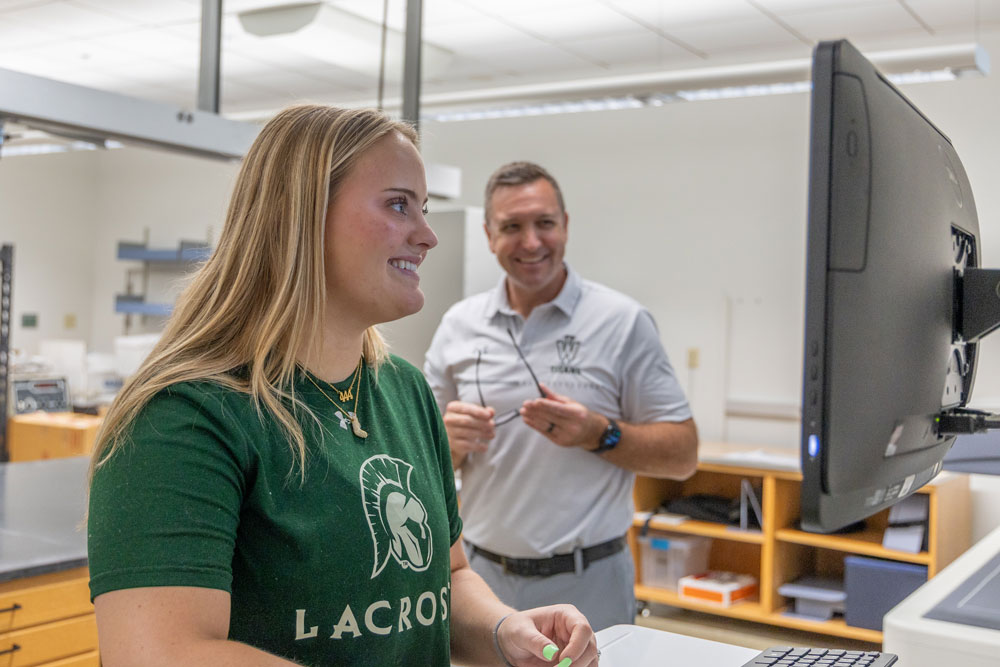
(6, 293)
(183, 256)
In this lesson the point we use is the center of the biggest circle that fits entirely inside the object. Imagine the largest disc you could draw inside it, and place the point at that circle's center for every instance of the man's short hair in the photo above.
(519, 173)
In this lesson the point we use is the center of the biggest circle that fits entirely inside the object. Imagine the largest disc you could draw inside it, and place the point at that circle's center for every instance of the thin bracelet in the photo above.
(496, 641)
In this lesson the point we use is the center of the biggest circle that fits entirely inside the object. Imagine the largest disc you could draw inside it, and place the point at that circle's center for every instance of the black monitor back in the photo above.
(891, 221)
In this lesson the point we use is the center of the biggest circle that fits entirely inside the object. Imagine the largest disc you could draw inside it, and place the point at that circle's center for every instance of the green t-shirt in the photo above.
(350, 567)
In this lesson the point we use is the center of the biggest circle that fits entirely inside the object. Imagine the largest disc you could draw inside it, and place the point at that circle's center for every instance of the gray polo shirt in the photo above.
(527, 497)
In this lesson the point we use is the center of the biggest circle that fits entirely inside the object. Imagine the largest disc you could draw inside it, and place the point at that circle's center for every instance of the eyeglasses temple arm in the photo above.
(517, 347)
(482, 401)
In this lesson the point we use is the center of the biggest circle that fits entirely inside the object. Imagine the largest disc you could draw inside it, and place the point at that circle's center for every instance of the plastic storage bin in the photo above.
(875, 586)
(815, 598)
(665, 558)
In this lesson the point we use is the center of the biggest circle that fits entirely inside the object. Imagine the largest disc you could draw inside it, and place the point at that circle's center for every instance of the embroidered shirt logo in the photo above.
(396, 517)
(567, 347)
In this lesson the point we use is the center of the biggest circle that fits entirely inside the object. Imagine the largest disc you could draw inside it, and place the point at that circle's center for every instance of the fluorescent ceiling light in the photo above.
(976, 60)
(20, 140)
(18, 150)
(338, 37)
(959, 60)
(658, 88)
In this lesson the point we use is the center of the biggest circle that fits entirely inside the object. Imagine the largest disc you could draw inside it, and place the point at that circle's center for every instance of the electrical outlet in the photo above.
(694, 357)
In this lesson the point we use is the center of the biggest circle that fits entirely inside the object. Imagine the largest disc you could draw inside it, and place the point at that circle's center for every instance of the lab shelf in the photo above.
(185, 255)
(780, 552)
(185, 252)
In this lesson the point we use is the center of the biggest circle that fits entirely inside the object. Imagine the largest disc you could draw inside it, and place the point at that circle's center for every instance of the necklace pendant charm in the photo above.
(356, 427)
(346, 395)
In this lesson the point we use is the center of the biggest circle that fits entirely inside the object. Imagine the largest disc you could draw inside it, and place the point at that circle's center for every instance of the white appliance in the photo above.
(968, 589)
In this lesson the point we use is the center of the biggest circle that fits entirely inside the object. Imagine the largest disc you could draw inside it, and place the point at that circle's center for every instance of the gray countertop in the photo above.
(42, 504)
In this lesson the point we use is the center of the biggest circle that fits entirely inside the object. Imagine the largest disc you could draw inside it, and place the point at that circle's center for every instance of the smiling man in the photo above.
(555, 392)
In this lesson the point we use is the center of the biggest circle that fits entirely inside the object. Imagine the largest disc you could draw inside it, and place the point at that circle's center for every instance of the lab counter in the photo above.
(42, 506)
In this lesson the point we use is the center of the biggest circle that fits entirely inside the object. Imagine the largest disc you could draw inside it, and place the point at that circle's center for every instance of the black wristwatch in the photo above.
(610, 438)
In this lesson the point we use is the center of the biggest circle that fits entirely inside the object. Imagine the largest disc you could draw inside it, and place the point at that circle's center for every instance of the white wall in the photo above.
(47, 210)
(176, 197)
(65, 214)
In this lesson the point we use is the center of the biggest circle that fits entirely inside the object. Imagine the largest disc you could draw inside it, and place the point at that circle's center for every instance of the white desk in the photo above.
(636, 646)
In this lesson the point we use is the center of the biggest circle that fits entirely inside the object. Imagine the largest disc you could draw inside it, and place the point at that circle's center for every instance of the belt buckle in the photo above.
(503, 564)
(579, 561)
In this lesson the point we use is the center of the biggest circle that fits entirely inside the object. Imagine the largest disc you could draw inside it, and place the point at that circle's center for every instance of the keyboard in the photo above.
(786, 656)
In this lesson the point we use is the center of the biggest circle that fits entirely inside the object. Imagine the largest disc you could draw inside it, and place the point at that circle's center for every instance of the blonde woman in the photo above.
(272, 487)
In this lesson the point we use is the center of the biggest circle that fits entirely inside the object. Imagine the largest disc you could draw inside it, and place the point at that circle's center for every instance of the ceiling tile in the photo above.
(955, 14)
(782, 7)
(16, 35)
(447, 11)
(722, 37)
(643, 51)
(157, 44)
(516, 7)
(147, 12)
(528, 58)
(834, 23)
(234, 6)
(664, 14)
(273, 56)
(61, 18)
(372, 11)
(470, 35)
(588, 20)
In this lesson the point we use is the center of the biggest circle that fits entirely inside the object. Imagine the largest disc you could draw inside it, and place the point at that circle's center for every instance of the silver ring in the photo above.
(552, 426)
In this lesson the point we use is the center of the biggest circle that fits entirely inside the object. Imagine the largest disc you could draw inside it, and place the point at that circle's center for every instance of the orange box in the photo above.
(50, 435)
(722, 588)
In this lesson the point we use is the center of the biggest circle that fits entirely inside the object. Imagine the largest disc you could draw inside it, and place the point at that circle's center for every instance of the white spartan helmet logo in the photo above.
(396, 517)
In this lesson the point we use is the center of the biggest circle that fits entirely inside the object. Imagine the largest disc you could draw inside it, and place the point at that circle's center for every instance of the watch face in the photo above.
(612, 434)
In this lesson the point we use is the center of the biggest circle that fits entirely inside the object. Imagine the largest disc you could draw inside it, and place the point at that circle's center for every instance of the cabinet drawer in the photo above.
(88, 659)
(49, 641)
(50, 597)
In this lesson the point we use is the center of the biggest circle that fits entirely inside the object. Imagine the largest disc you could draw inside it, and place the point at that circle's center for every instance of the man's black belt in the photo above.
(558, 564)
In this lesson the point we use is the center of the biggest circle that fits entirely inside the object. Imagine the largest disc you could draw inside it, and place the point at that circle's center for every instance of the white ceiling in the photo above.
(150, 48)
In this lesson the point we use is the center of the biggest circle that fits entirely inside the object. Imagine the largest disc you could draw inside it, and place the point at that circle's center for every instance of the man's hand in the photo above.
(470, 427)
(564, 421)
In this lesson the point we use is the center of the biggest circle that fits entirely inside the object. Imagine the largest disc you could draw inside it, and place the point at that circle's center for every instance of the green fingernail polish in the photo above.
(565, 662)
(549, 651)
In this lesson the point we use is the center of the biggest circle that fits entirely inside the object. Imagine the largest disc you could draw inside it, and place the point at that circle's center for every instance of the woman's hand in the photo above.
(524, 636)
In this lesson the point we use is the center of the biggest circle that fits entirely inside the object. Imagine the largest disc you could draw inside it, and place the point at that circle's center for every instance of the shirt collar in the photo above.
(566, 300)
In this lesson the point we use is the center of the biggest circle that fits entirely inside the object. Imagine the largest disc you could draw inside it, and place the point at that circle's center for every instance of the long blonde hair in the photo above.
(262, 291)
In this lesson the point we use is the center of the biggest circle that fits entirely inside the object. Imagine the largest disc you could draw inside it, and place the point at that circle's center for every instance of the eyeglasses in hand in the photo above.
(509, 416)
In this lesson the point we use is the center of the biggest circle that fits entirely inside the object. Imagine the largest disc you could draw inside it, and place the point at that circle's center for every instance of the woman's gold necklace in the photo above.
(349, 394)
(353, 416)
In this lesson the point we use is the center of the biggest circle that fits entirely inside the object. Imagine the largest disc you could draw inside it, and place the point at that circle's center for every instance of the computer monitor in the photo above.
(892, 229)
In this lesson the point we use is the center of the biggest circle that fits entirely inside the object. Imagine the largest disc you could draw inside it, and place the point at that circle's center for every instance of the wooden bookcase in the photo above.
(780, 553)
